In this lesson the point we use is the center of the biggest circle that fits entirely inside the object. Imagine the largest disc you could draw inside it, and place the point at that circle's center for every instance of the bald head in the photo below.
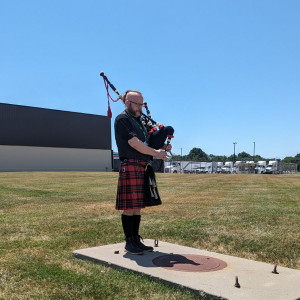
(133, 102)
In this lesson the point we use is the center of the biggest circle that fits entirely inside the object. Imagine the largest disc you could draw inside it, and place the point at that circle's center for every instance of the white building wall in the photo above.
(27, 158)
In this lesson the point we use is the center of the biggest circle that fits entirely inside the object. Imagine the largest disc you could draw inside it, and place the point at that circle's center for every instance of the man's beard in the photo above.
(135, 113)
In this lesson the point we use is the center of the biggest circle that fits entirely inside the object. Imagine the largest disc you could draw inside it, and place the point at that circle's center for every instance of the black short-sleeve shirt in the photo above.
(127, 127)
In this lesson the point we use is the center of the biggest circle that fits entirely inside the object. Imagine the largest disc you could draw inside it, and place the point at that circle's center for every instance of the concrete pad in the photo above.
(255, 278)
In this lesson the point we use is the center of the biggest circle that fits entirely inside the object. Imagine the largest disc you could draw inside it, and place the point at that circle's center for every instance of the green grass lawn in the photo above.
(44, 216)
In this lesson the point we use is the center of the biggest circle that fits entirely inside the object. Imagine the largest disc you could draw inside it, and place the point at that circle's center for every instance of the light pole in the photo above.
(234, 143)
(180, 160)
(253, 150)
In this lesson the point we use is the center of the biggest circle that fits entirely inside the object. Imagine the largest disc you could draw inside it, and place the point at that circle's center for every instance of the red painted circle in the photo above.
(189, 263)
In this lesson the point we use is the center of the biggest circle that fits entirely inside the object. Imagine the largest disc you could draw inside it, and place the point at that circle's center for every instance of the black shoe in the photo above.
(138, 242)
(132, 247)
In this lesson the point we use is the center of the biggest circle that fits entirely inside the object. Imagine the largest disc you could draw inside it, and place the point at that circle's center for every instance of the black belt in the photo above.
(132, 161)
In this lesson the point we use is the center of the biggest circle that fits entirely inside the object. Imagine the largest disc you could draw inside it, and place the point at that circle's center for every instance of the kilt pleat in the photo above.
(130, 192)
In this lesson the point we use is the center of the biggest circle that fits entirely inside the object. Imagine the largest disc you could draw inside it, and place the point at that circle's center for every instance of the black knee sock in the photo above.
(136, 224)
(127, 222)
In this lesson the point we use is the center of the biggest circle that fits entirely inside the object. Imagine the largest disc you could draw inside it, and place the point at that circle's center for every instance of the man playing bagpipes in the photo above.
(137, 185)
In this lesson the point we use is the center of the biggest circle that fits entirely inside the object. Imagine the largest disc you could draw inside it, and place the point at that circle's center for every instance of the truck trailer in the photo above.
(227, 168)
(260, 167)
(272, 167)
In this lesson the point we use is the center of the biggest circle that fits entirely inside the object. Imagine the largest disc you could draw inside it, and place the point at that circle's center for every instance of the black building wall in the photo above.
(31, 126)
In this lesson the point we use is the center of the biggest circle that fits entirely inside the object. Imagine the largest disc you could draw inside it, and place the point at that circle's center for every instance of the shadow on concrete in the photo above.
(146, 261)
(168, 260)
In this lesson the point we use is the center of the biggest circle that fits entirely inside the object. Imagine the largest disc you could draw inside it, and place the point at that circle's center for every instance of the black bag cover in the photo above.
(151, 193)
(158, 138)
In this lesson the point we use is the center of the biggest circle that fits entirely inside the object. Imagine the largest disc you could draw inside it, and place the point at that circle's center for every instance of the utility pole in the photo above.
(253, 150)
(180, 160)
(234, 143)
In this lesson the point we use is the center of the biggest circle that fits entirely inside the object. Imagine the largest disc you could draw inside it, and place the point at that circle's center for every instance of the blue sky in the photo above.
(217, 71)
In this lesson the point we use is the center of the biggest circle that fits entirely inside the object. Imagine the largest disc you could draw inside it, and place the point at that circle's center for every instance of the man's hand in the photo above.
(162, 154)
(168, 148)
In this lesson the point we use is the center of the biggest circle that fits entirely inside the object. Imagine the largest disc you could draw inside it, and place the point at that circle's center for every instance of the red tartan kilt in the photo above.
(130, 193)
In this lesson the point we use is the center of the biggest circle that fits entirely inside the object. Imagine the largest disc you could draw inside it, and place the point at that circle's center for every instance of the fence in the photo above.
(287, 168)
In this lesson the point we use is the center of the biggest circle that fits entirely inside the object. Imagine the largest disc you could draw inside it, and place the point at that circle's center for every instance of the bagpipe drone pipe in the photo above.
(158, 132)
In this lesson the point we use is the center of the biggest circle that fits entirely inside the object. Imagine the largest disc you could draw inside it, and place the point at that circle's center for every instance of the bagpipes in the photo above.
(158, 132)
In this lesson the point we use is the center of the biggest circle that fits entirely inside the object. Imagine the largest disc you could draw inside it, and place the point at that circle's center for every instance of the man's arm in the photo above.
(139, 146)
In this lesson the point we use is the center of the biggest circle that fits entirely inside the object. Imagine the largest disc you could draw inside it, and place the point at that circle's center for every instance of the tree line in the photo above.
(197, 154)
